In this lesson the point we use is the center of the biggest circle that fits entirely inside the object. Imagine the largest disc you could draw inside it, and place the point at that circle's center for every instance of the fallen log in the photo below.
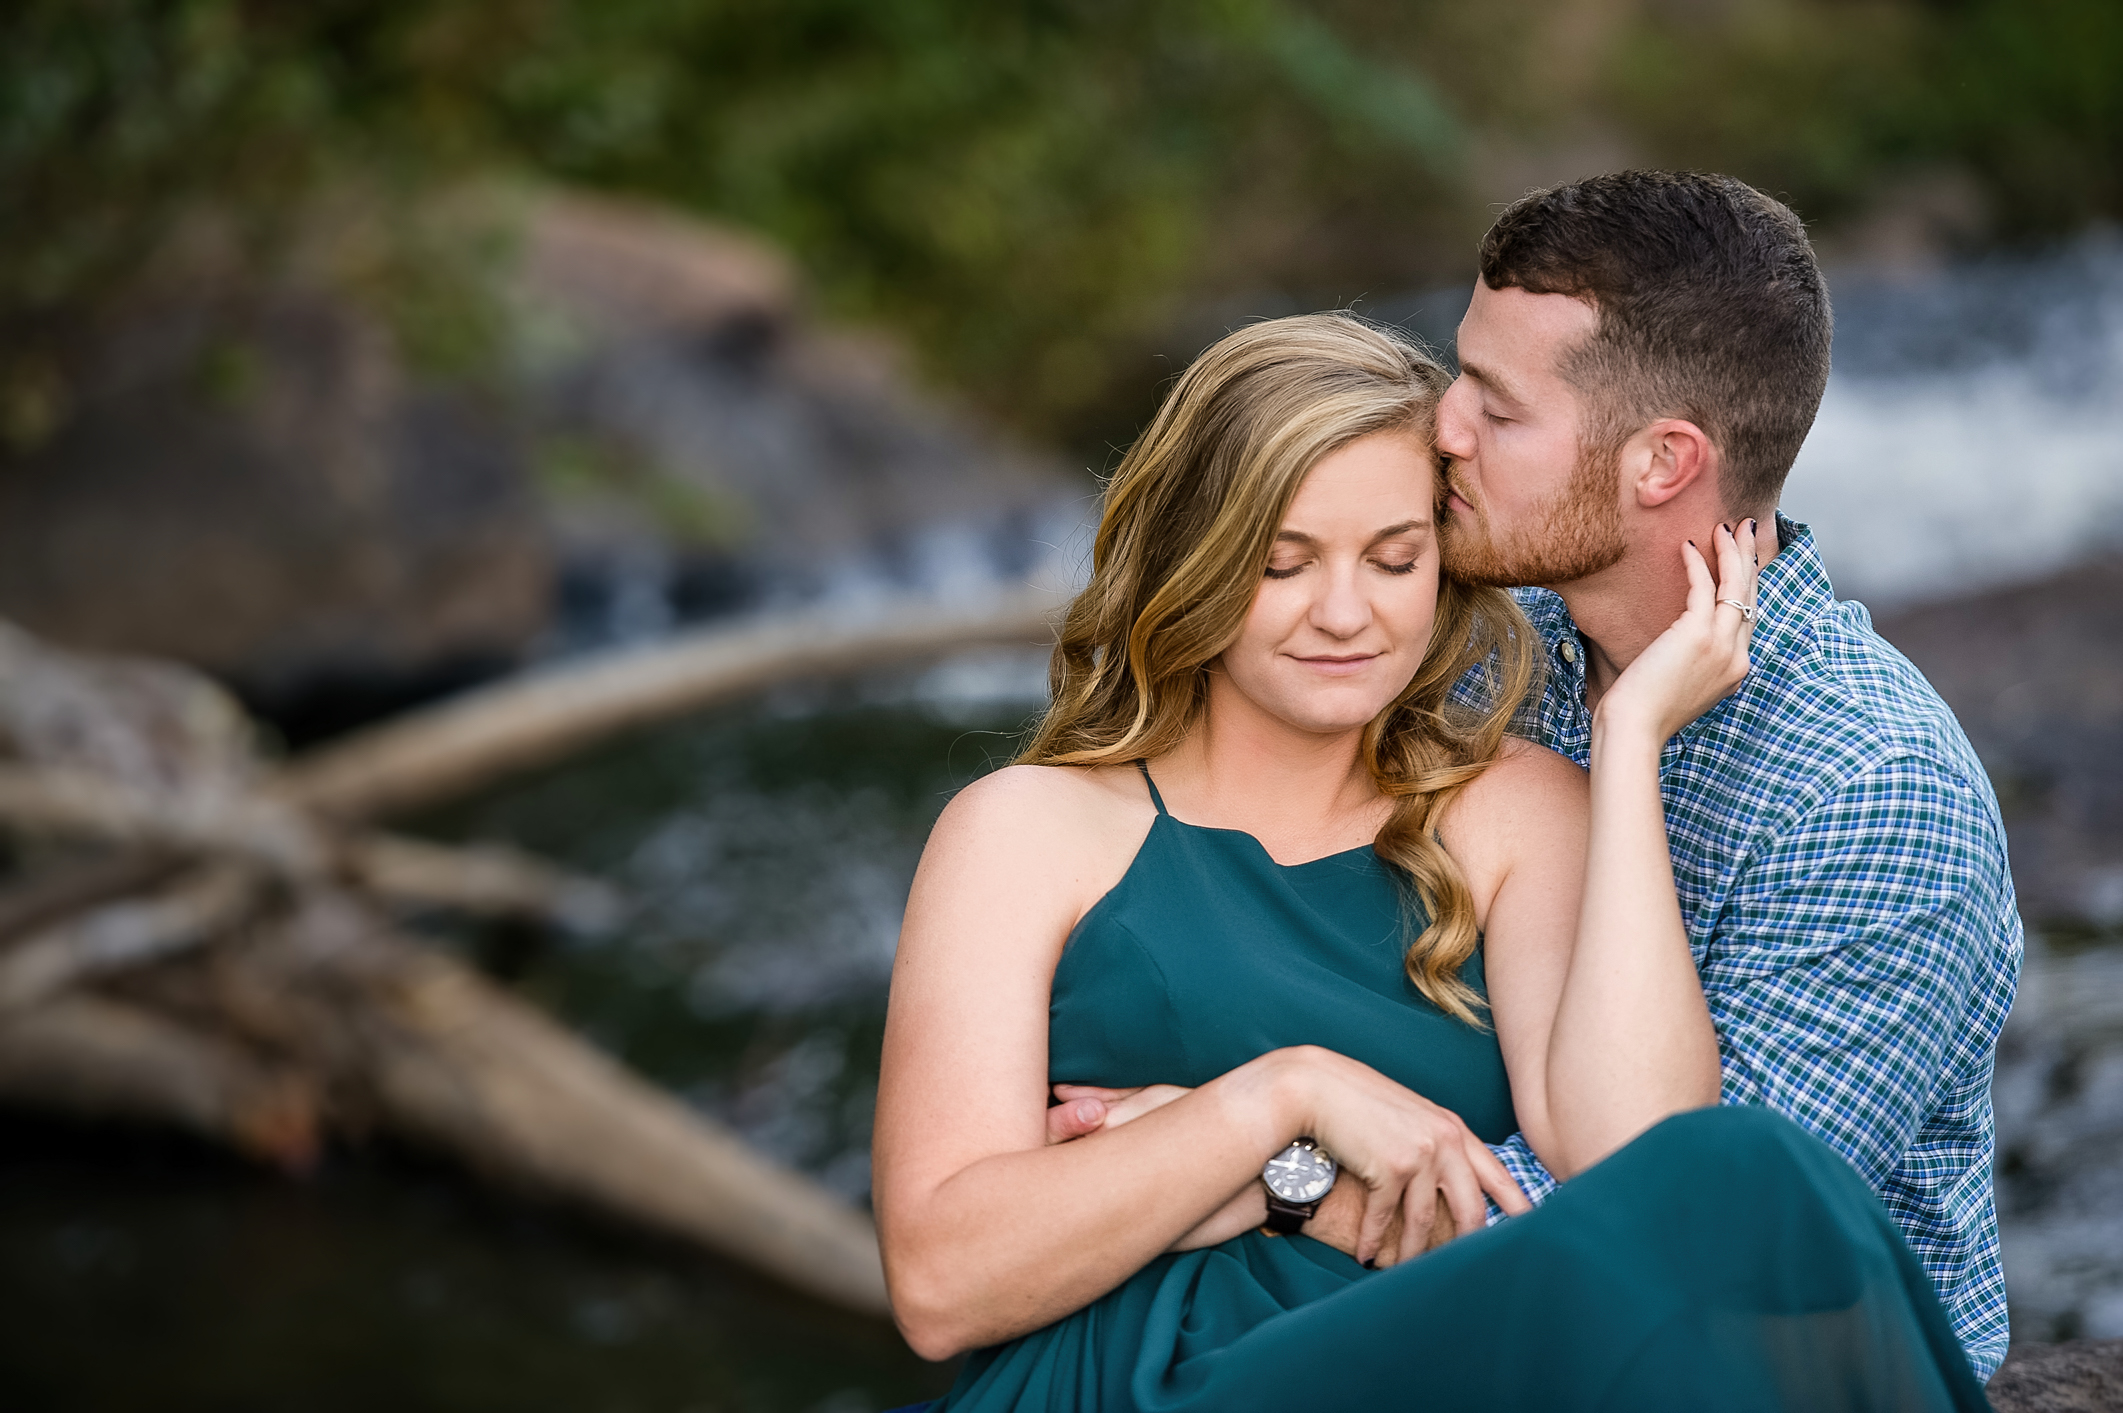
(449, 750)
(231, 822)
(490, 880)
(226, 967)
(80, 883)
(87, 1057)
(402, 1041)
(126, 934)
(220, 818)
(462, 1067)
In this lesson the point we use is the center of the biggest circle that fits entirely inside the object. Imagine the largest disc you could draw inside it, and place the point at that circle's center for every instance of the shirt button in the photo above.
(1570, 651)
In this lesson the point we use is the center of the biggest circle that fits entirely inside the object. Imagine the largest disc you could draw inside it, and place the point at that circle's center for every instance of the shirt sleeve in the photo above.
(1516, 1154)
(1865, 957)
(1859, 961)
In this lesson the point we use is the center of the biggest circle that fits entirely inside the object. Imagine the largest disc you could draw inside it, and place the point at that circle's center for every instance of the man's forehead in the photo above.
(1510, 335)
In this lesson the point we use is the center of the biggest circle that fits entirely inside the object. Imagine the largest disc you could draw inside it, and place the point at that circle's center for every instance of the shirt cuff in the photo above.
(1534, 1180)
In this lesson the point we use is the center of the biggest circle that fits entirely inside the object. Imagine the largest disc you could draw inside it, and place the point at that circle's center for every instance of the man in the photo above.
(1643, 357)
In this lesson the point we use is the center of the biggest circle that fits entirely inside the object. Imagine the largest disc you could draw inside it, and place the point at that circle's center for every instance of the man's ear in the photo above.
(1667, 458)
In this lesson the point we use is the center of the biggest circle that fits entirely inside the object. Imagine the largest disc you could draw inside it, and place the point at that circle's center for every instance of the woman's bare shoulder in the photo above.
(1040, 843)
(1529, 799)
(1047, 807)
(1528, 770)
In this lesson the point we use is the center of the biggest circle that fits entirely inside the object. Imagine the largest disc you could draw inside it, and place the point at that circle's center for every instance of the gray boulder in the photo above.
(2081, 1377)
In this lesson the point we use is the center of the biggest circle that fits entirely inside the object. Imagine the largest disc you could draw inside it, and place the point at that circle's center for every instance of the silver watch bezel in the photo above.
(1314, 1189)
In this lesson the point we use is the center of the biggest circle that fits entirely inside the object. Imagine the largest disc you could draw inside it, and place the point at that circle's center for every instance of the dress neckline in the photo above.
(1158, 801)
(1254, 840)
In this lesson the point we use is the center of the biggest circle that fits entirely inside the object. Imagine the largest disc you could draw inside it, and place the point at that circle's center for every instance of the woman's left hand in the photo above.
(1702, 658)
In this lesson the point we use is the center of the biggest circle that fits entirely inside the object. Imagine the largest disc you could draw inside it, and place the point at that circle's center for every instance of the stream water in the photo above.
(1972, 435)
(766, 851)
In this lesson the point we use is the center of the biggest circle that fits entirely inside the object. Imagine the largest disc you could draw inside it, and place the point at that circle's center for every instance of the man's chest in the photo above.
(1717, 811)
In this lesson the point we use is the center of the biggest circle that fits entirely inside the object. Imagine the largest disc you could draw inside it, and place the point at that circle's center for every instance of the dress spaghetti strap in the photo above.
(1155, 798)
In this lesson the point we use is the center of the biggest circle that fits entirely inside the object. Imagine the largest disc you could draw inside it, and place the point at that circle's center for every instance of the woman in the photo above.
(1256, 859)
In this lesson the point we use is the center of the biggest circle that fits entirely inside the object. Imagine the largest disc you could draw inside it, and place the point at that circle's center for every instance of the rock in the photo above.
(2081, 1377)
(806, 457)
(250, 481)
(271, 498)
(2058, 1096)
(2031, 672)
(2034, 676)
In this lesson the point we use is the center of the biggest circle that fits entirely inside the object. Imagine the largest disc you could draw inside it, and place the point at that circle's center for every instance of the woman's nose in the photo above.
(1341, 610)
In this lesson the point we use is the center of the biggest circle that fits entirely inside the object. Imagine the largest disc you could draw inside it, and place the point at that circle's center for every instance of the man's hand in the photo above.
(1342, 1211)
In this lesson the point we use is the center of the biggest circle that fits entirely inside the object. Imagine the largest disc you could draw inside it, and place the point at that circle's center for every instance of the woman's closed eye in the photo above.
(1390, 566)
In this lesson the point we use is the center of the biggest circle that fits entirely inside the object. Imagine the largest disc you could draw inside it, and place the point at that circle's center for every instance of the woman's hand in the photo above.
(1410, 1226)
(1405, 1153)
(1082, 1109)
(1702, 658)
(1630, 1040)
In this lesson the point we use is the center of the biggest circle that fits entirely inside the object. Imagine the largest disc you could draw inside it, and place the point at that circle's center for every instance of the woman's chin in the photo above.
(1307, 703)
(1336, 716)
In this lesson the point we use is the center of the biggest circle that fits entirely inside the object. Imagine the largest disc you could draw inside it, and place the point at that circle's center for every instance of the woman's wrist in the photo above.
(1269, 1098)
(1622, 733)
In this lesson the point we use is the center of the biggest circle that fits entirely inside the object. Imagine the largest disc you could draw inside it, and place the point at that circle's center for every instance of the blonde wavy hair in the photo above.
(1189, 522)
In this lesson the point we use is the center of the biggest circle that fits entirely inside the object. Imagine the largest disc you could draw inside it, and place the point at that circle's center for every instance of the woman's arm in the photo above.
(1609, 1034)
(1633, 1041)
(987, 1231)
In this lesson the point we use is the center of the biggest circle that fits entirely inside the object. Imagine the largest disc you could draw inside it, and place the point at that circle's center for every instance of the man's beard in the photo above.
(1577, 534)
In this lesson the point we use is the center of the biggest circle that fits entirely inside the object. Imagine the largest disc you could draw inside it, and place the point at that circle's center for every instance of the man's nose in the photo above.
(1455, 421)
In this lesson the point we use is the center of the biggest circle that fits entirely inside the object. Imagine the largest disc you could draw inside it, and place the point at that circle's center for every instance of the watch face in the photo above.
(1299, 1174)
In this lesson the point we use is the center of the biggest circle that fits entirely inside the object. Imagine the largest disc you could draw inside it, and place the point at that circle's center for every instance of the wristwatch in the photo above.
(1297, 1179)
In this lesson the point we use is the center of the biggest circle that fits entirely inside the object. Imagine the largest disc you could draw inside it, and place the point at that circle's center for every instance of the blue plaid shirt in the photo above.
(1841, 869)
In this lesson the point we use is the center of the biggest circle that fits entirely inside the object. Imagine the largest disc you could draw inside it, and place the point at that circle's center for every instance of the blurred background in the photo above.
(354, 355)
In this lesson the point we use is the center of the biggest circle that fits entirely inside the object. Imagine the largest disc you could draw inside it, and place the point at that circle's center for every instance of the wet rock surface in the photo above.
(251, 479)
(778, 456)
(2035, 676)
(2035, 673)
(2059, 1098)
(2080, 1377)
(265, 494)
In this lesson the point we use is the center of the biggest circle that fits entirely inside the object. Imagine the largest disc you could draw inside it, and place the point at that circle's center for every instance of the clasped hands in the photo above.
(1082, 1109)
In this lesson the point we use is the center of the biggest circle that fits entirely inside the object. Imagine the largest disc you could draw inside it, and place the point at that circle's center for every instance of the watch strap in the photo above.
(1288, 1218)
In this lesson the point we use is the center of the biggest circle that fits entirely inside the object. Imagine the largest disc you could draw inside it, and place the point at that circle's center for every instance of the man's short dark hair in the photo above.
(1711, 308)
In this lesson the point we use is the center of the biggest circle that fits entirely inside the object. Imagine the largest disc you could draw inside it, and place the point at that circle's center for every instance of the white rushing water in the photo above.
(1972, 434)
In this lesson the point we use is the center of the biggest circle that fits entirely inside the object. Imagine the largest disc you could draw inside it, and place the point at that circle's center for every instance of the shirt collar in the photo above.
(1790, 597)
(1792, 593)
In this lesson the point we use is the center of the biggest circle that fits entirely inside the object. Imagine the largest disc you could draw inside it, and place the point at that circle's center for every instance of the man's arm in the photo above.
(1865, 955)
(1534, 1179)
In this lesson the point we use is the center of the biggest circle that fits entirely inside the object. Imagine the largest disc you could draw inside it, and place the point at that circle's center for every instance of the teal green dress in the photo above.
(1724, 1260)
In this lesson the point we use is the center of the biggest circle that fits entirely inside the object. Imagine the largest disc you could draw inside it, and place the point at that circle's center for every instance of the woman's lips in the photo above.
(1340, 666)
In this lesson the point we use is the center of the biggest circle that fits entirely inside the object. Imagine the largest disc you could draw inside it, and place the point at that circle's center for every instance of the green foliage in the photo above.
(1020, 187)
(1023, 187)
(1032, 191)
(1824, 100)
(2033, 98)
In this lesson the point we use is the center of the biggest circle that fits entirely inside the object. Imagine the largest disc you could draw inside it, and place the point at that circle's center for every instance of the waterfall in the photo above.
(1972, 434)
